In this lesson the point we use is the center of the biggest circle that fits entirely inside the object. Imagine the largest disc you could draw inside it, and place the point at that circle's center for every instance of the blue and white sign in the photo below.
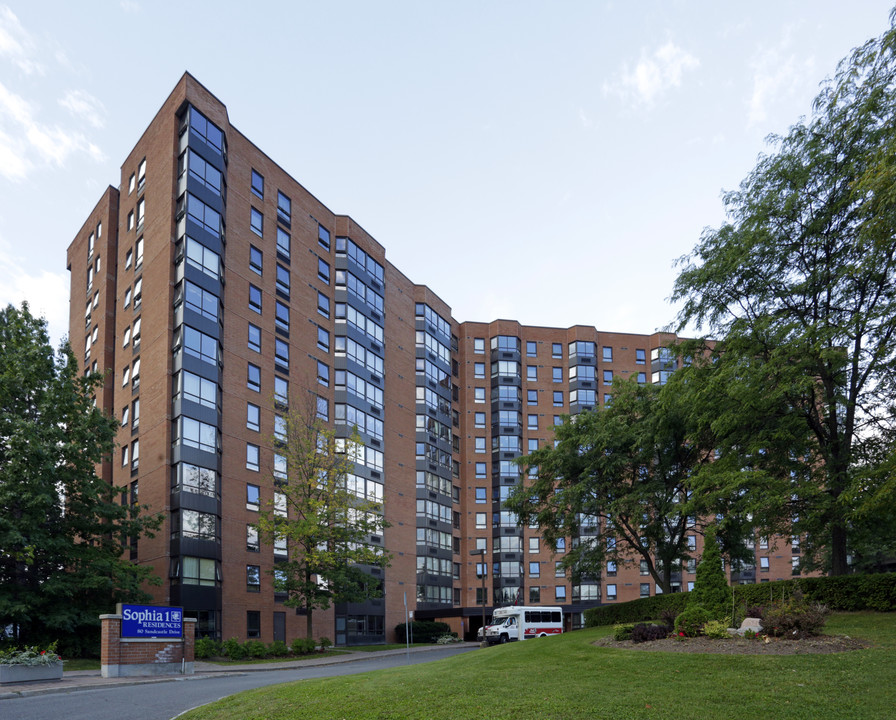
(151, 621)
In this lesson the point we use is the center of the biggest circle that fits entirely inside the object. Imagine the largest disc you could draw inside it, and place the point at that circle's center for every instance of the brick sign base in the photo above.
(130, 657)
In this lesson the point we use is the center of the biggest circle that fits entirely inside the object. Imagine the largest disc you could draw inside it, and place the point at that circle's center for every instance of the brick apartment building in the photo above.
(214, 289)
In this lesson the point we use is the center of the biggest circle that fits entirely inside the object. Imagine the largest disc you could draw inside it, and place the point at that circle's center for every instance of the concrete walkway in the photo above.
(84, 679)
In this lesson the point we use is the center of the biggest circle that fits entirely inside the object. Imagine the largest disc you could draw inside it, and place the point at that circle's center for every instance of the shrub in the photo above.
(447, 639)
(325, 643)
(794, 619)
(668, 615)
(303, 646)
(717, 629)
(842, 593)
(692, 620)
(278, 649)
(645, 632)
(206, 647)
(255, 649)
(711, 590)
(422, 631)
(622, 631)
(233, 649)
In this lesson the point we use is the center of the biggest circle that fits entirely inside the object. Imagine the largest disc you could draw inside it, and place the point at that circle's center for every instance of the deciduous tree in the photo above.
(623, 469)
(325, 524)
(800, 285)
(61, 529)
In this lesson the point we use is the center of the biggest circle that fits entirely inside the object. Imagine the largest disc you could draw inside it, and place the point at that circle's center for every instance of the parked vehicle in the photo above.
(522, 622)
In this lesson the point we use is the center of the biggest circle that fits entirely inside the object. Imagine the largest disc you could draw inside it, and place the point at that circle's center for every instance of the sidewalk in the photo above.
(83, 679)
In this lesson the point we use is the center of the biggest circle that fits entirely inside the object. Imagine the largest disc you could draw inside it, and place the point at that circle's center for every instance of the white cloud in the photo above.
(46, 292)
(777, 75)
(16, 44)
(131, 6)
(84, 105)
(22, 136)
(653, 75)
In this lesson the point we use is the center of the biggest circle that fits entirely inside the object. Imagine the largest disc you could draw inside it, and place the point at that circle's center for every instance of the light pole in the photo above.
(481, 553)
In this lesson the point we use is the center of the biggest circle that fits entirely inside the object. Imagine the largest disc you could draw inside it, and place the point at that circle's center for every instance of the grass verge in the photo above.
(567, 678)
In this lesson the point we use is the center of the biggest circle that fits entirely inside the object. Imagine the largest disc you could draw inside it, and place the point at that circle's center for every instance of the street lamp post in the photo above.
(481, 553)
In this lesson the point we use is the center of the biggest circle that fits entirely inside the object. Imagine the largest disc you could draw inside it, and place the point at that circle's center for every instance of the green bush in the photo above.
(304, 646)
(623, 631)
(423, 631)
(692, 620)
(711, 590)
(845, 593)
(206, 647)
(325, 643)
(278, 648)
(717, 629)
(794, 619)
(647, 632)
(233, 649)
(642, 610)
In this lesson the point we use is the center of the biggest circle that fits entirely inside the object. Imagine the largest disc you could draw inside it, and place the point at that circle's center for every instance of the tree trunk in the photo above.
(308, 620)
(839, 565)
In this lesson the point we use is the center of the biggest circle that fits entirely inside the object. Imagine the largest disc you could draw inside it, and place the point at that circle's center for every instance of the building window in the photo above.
(611, 591)
(480, 495)
(532, 373)
(255, 299)
(561, 545)
(199, 435)
(323, 374)
(478, 370)
(254, 338)
(532, 397)
(692, 542)
(532, 445)
(281, 390)
(284, 208)
(763, 564)
(481, 470)
(323, 408)
(645, 589)
(252, 498)
(253, 381)
(255, 259)
(479, 420)
(480, 444)
(257, 184)
(479, 345)
(608, 377)
(323, 339)
(534, 545)
(531, 348)
(251, 457)
(253, 417)
(611, 568)
(642, 378)
(532, 422)
(558, 398)
(283, 243)
(558, 569)
(281, 352)
(252, 544)
(560, 593)
(481, 596)
(608, 354)
(198, 525)
(479, 395)
(256, 222)
(556, 350)
(138, 253)
(253, 624)
(323, 304)
(253, 578)
(283, 282)
(323, 237)
(323, 271)
(281, 318)
(534, 595)
(481, 520)
(640, 356)
(557, 374)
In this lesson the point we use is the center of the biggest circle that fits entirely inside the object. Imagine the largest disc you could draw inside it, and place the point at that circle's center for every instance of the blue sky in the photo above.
(469, 138)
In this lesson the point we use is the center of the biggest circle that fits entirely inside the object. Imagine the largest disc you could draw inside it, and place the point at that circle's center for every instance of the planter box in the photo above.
(29, 673)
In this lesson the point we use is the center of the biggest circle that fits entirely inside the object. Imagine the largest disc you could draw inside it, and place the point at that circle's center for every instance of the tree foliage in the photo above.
(61, 529)
(623, 470)
(800, 285)
(326, 526)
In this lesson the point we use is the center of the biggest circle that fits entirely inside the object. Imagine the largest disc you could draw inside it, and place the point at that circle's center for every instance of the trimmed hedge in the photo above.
(842, 593)
(423, 631)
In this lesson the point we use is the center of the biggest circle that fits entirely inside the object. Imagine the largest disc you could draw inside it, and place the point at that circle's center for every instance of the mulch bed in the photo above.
(819, 644)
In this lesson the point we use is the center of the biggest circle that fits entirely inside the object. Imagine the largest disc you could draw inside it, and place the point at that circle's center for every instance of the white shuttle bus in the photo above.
(522, 622)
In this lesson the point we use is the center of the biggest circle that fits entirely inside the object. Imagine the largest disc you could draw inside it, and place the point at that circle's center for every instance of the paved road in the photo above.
(165, 700)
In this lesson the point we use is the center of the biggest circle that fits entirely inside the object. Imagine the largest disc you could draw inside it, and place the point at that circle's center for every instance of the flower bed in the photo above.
(29, 664)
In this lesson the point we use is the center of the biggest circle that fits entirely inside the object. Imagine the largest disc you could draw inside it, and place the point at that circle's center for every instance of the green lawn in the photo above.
(565, 678)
